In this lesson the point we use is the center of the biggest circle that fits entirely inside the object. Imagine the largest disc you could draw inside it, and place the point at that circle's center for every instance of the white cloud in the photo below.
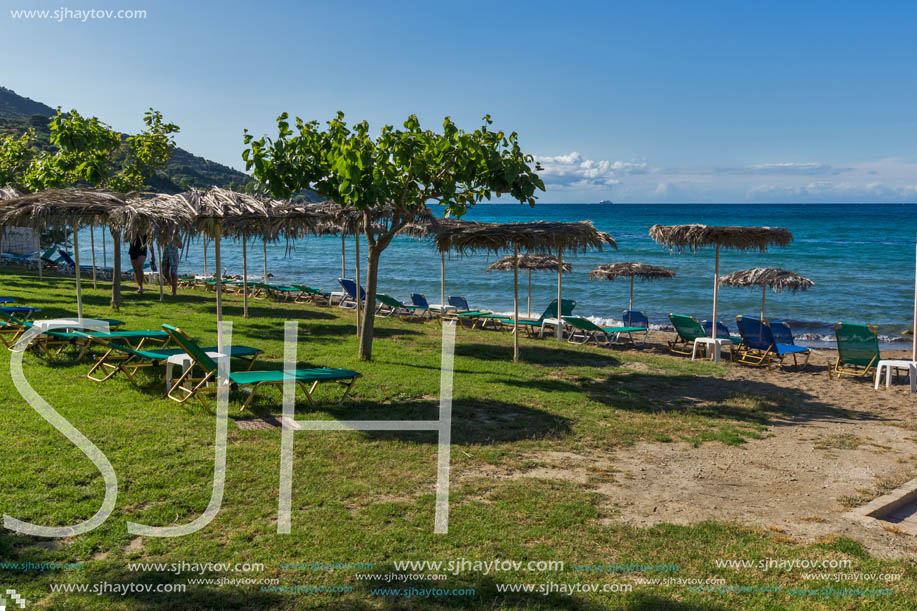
(572, 171)
(573, 178)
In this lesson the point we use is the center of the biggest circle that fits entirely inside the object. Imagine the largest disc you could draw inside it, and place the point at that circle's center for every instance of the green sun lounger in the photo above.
(187, 386)
(857, 349)
(389, 306)
(54, 341)
(120, 357)
(310, 293)
(584, 330)
(688, 329)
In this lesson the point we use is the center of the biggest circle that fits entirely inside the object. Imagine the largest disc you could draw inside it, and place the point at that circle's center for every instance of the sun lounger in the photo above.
(311, 294)
(278, 291)
(349, 301)
(759, 347)
(722, 332)
(688, 329)
(187, 386)
(51, 256)
(459, 303)
(477, 319)
(120, 357)
(66, 258)
(547, 318)
(49, 342)
(19, 259)
(857, 349)
(389, 306)
(584, 330)
(22, 312)
(633, 318)
(418, 300)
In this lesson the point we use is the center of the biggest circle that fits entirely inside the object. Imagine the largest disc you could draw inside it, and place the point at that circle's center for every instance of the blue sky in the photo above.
(636, 102)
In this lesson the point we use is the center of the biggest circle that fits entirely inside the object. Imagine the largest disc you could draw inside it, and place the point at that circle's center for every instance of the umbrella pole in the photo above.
(343, 256)
(559, 329)
(442, 283)
(104, 255)
(763, 295)
(92, 246)
(716, 287)
(76, 273)
(264, 247)
(358, 291)
(40, 253)
(204, 244)
(245, 278)
(630, 305)
(529, 307)
(516, 303)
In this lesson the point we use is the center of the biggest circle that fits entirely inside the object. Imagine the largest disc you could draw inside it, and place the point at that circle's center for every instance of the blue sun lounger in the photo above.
(759, 347)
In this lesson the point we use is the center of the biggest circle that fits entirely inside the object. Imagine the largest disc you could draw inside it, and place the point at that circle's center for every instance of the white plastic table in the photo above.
(185, 361)
(911, 367)
(716, 342)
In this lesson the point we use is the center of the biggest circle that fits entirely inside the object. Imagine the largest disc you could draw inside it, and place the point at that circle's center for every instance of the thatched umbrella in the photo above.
(5, 194)
(428, 227)
(695, 237)
(540, 237)
(644, 271)
(767, 278)
(214, 213)
(69, 207)
(530, 262)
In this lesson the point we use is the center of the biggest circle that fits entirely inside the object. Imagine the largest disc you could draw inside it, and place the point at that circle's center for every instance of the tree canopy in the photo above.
(403, 169)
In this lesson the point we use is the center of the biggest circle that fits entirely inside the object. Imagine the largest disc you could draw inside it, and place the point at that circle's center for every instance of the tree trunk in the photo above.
(369, 313)
(116, 270)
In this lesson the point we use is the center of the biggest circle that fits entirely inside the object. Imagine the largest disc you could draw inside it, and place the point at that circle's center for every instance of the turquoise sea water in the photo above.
(860, 257)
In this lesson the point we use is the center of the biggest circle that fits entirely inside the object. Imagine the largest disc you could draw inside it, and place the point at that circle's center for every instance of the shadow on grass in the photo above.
(536, 355)
(707, 396)
(474, 421)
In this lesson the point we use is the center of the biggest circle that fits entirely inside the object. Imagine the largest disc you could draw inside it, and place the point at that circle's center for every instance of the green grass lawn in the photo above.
(369, 496)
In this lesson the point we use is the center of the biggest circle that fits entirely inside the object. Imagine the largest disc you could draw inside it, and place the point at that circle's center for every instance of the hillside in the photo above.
(184, 170)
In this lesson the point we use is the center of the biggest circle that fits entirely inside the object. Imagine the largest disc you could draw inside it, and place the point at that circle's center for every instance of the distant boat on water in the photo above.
(606, 202)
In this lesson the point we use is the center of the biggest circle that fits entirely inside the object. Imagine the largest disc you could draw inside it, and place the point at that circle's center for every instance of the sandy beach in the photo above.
(840, 444)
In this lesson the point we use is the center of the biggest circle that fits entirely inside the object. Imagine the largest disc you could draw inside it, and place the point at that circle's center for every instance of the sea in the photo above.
(861, 258)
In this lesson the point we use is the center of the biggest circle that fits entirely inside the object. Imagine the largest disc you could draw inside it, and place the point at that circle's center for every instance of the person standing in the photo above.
(170, 256)
(137, 254)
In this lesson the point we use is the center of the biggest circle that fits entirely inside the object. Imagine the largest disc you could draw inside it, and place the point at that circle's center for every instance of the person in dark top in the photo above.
(137, 253)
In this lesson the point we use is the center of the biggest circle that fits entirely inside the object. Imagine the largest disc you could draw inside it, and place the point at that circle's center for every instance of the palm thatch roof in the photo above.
(349, 221)
(644, 271)
(216, 211)
(695, 237)
(770, 277)
(9, 193)
(540, 236)
(547, 263)
(63, 207)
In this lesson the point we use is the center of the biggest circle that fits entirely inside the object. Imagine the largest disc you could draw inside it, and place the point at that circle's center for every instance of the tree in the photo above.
(16, 156)
(81, 152)
(84, 151)
(147, 152)
(403, 168)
